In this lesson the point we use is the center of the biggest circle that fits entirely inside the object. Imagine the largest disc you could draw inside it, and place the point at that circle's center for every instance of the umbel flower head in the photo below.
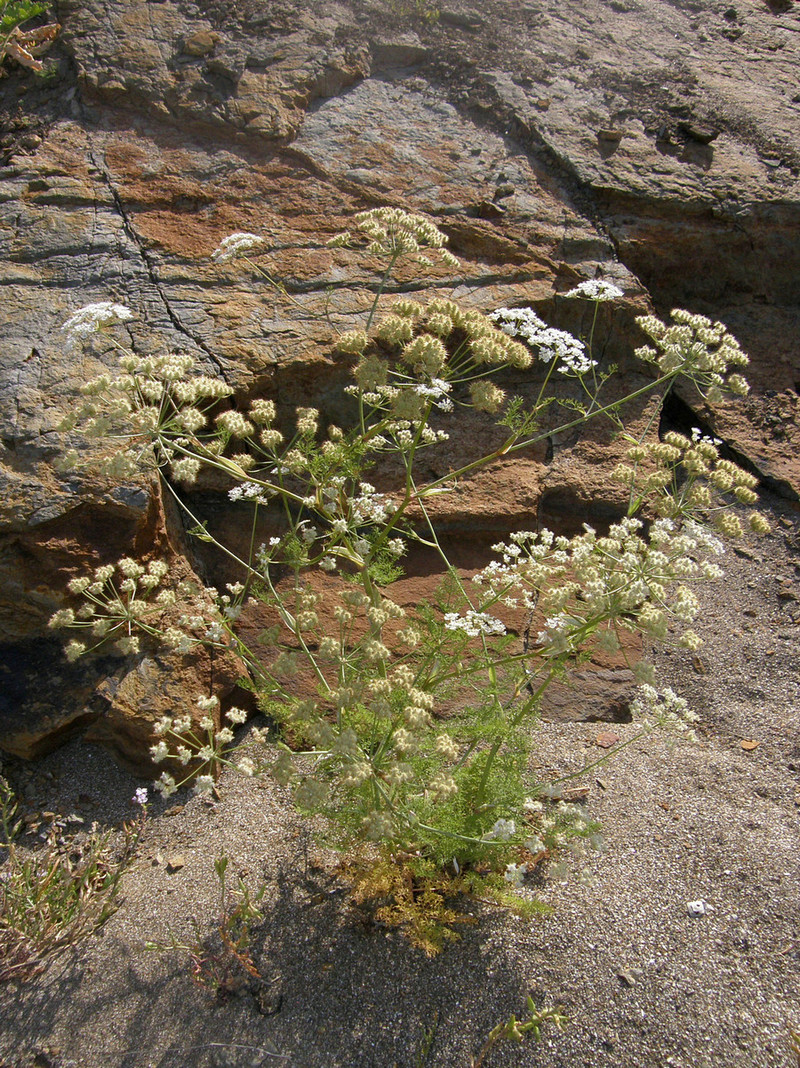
(392, 233)
(236, 245)
(595, 289)
(698, 348)
(551, 344)
(93, 318)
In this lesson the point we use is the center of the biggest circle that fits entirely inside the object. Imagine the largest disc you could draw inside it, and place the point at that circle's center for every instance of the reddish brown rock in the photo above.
(157, 686)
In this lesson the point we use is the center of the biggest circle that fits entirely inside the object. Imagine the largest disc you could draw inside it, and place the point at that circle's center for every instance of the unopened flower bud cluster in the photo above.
(391, 233)
(697, 348)
(118, 601)
(125, 603)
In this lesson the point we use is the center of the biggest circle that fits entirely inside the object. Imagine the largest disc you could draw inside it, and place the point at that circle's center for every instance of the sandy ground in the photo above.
(643, 982)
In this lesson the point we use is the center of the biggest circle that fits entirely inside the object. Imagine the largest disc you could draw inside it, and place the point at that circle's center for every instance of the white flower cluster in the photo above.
(558, 824)
(198, 743)
(587, 585)
(551, 344)
(437, 390)
(664, 709)
(519, 322)
(249, 491)
(502, 831)
(237, 245)
(515, 874)
(93, 318)
(596, 289)
(569, 353)
(474, 623)
(370, 506)
(407, 402)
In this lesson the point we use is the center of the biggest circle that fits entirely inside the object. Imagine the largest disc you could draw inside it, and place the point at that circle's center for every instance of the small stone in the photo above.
(743, 551)
(503, 191)
(487, 209)
(697, 908)
(175, 862)
(173, 810)
(704, 135)
(578, 795)
(200, 43)
(627, 978)
(606, 739)
(460, 20)
(610, 136)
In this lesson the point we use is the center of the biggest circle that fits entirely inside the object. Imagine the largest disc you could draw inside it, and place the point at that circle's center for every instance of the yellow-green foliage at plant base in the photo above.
(417, 896)
(22, 45)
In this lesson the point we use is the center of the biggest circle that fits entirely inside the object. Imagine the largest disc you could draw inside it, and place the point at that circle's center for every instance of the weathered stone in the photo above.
(200, 43)
(45, 700)
(590, 695)
(164, 685)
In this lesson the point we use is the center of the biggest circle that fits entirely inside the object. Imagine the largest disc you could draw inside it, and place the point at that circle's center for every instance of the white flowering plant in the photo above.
(412, 729)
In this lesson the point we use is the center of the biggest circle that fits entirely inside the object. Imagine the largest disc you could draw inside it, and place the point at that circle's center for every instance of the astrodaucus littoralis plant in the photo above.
(369, 748)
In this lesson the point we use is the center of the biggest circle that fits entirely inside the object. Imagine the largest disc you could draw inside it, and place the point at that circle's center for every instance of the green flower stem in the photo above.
(512, 444)
(206, 536)
(498, 744)
(550, 370)
(458, 837)
(603, 759)
(591, 349)
(290, 622)
(286, 617)
(381, 287)
(228, 467)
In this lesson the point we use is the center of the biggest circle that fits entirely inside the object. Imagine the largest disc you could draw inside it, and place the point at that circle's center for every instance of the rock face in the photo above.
(656, 144)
